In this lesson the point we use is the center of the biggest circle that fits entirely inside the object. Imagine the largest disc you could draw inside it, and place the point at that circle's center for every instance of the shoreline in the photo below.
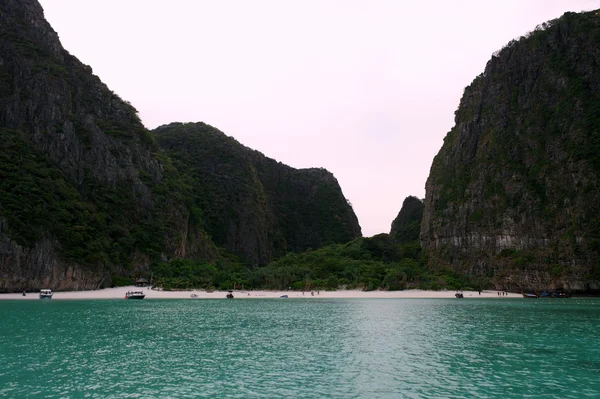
(119, 293)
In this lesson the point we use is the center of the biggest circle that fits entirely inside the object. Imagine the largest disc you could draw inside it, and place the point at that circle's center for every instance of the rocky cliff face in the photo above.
(255, 206)
(83, 193)
(65, 110)
(86, 193)
(30, 267)
(514, 193)
(407, 225)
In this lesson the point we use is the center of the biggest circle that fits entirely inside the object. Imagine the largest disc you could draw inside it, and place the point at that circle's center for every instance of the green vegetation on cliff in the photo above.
(368, 263)
(520, 170)
(86, 193)
(95, 225)
(381, 262)
(365, 263)
(83, 186)
(407, 225)
(252, 205)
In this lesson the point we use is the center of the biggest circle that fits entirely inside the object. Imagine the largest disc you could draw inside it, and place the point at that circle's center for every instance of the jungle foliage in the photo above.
(374, 263)
(95, 225)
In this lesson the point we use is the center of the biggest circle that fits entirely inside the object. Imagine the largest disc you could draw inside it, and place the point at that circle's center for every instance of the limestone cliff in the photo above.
(86, 193)
(83, 190)
(514, 193)
(255, 206)
(407, 225)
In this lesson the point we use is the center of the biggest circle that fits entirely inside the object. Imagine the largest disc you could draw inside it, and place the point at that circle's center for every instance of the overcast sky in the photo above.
(366, 89)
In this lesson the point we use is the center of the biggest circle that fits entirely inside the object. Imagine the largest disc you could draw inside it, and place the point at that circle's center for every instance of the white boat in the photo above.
(46, 294)
(135, 295)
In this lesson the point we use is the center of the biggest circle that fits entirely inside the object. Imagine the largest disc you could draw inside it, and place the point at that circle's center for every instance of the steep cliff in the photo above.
(407, 225)
(252, 205)
(514, 192)
(84, 191)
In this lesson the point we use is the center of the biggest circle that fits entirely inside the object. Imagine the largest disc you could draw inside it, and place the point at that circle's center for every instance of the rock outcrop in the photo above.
(255, 206)
(82, 185)
(407, 225)
(514, 193)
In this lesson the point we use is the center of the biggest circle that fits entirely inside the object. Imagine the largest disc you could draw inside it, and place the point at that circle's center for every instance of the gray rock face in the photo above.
(252, 205)
(38, 266)
(86, 193)
(513, 194)
(65, 110)
(407, 225)
(94, 139)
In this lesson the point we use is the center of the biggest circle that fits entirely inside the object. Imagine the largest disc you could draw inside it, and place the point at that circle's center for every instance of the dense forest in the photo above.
(365, 263)
(384, 262)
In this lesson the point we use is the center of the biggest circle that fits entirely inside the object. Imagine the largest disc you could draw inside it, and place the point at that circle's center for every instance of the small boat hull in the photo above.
(135, 295)
(46, 294)
(530, 295)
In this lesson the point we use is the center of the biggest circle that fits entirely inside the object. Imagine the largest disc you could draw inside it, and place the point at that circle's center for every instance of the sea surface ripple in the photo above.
(300, 348)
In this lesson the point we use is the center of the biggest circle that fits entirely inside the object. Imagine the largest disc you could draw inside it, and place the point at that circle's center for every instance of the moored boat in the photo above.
(459, 295)
(46, 294)
(546, 294)
(283, 296)
(135, 295)
(229, 295)
(530, 295)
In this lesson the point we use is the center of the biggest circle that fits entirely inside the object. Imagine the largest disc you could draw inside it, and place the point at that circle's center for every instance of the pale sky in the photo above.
(366, 89)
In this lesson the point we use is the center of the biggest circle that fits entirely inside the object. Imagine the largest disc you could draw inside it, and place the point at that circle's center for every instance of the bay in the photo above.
(300, 348)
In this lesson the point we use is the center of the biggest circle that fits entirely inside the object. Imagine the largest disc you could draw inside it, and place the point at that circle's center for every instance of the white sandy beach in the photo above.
(119, 293)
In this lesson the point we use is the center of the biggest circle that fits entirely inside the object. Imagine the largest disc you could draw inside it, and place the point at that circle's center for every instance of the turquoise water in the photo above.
(297, 348)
